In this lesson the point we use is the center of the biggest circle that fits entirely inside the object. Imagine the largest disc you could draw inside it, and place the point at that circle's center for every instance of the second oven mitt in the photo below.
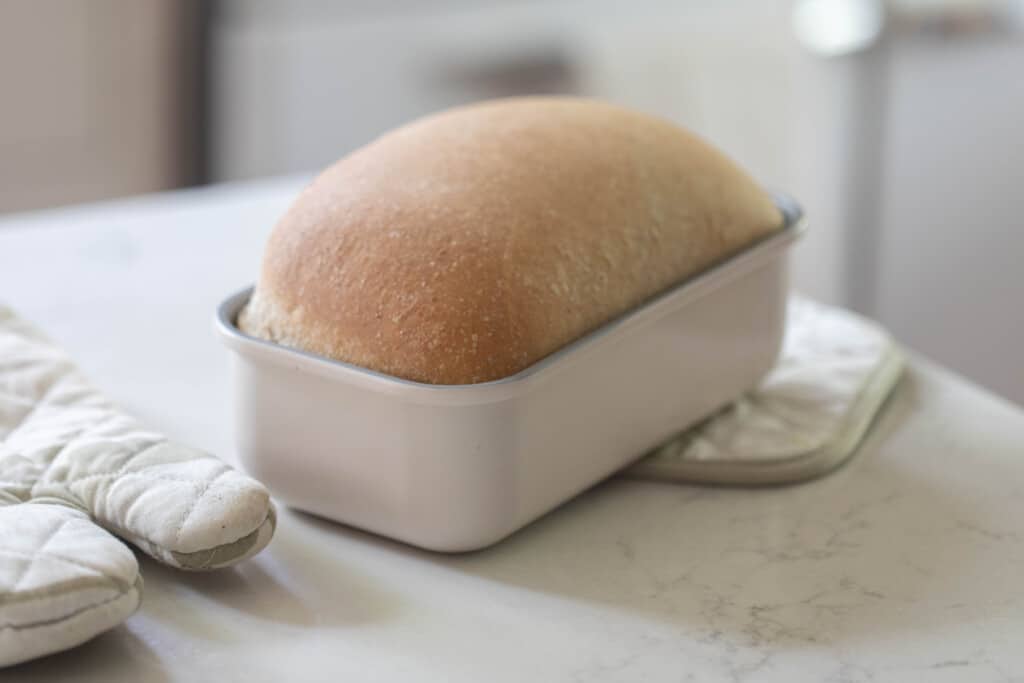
(806, 417)
(77, 475)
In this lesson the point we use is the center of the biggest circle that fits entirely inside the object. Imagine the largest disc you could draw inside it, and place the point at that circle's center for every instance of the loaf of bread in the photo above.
(468, 245)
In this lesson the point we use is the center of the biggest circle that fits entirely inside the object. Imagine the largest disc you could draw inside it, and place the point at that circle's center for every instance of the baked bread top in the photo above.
(468, 245)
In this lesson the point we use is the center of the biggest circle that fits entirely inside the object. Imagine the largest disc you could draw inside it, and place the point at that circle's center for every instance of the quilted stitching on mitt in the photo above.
(75, 469)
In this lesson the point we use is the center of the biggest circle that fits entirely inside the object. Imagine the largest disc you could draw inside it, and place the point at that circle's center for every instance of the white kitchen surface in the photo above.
(905, 565)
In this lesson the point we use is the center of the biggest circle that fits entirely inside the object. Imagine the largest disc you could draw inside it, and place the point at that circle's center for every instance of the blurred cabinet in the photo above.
(297, 85)
(950, 280)
(95, 98)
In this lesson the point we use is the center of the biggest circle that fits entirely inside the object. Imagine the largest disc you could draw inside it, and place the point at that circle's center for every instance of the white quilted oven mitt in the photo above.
(805, 418)
(74, 472)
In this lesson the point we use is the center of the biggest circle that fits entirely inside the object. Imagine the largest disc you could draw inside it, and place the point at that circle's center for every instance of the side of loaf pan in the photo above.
(456, 468)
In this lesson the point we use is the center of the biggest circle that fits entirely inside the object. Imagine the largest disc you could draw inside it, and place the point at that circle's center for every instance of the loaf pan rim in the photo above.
(690, 288)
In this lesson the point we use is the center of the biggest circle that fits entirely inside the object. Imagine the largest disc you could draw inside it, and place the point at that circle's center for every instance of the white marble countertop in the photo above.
(906, 565)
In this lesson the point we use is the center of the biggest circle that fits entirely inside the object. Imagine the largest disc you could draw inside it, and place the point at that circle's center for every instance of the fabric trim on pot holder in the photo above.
(806, 417)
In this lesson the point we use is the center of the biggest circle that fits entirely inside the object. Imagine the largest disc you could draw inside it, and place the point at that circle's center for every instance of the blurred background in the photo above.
(897, 124)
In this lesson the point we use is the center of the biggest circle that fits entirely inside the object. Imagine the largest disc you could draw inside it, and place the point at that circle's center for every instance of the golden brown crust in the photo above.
(466, 246)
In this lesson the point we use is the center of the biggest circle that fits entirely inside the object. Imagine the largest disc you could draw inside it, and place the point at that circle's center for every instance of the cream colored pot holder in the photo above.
(74, 472)
(806, 417)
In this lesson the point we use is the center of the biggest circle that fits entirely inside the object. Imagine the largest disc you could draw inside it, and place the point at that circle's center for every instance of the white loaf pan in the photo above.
(456, 468)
